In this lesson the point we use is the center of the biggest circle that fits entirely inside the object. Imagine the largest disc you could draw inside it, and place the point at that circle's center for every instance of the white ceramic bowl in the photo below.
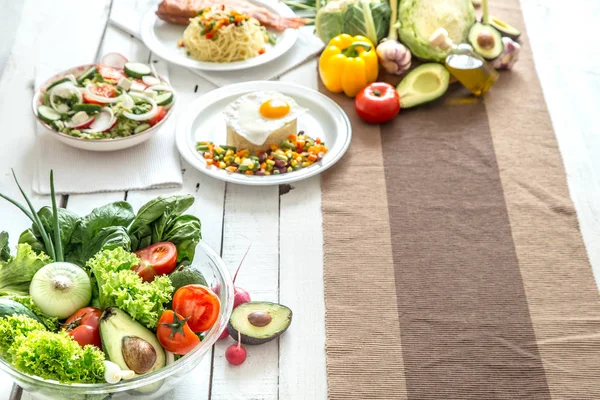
(88, 144)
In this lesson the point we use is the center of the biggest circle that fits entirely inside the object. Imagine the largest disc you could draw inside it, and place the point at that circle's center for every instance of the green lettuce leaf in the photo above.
(57, 356)
(13, 327)
(29, 238)
(119, 286)
(17, 272)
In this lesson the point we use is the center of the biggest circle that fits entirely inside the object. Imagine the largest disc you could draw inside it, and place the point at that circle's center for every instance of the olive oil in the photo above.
(468, 67)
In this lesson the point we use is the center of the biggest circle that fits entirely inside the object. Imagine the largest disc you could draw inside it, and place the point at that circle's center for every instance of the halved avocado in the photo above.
(129, 344)
(423, 84)
(505, 28)
(259, 322)
(486, 41)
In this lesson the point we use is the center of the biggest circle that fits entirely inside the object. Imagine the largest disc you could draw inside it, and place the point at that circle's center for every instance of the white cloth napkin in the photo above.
(307, 46)
(150, 165)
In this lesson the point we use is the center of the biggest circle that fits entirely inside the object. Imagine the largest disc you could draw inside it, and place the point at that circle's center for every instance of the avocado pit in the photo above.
(485, 39)
(139, 355)
(259, 318)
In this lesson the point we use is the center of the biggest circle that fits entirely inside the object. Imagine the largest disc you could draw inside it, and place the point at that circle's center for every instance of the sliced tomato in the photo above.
(157, 259)
(174, 333)
(199, 304)
(110, 73)
(160, 114)
(83, 326)
(102, 90)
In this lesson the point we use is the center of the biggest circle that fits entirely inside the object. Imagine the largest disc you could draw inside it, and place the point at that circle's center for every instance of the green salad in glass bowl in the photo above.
(114, 303)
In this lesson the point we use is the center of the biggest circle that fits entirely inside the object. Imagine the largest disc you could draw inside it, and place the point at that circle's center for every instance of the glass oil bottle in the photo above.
(468, 67)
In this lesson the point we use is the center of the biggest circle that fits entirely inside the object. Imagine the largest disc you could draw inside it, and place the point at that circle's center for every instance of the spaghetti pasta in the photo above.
(222, 35)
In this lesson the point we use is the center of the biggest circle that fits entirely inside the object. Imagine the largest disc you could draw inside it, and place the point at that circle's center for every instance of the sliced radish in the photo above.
(81, 120)
(150, 80)
(105, 120)
(146, 116)
(100, 99)
(114, 60)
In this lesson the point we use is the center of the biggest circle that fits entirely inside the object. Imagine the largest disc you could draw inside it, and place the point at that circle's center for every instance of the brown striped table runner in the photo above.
(454, 265)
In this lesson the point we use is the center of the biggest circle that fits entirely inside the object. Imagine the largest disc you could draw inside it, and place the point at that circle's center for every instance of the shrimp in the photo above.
(180, 12)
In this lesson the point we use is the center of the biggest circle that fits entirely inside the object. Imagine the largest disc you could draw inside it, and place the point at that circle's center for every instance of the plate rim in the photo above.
(147, 35)
(189, 115)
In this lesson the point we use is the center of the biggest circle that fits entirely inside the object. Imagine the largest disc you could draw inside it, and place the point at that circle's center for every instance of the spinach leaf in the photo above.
(153, 217)
(185, 233)
(68, 221)
(4, 249)
(107, 238)
(36, 244)
(119, 213)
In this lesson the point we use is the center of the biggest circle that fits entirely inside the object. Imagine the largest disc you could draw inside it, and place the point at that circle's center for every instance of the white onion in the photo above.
(128, 102)
(60, 288)
(61, 90)
(146, 116)
(100, 99)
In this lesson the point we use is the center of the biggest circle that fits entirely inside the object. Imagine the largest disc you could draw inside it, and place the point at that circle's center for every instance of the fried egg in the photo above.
(256, 115)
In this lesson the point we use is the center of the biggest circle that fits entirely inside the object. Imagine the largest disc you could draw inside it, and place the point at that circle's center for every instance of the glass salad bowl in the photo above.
(158, 383)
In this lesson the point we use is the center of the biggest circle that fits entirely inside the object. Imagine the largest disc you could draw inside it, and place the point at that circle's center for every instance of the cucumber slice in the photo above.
(164, 98)
(137, 70)
(58, 82)
(88, 108)
(141, 128)
(48, 114)
(89, 74)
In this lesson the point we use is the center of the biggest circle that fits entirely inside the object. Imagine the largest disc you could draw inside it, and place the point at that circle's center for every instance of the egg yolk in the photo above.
(274, 108)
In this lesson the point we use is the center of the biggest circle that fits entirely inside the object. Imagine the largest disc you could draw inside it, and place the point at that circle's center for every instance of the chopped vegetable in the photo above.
(119, 286)
(298, 151)
(199, 305)
(155, 260)
(348, 64)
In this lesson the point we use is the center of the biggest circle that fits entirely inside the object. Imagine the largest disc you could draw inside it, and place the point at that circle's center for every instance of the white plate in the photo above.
(203, 121)
(161, 38)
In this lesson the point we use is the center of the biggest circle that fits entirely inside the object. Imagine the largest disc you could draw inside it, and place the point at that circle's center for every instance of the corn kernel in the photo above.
(290, 169)
(251, 166)
(306, 164)
(229, 152)
(267, 172)
(219, 150)
(294, 163)
(237, 160)
(270, 162)
(222, 165)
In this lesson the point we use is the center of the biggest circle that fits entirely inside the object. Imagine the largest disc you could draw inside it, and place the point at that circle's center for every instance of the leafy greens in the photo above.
(16, 273)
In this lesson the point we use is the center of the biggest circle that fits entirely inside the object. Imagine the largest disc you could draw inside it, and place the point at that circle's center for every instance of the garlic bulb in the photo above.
(394, 57)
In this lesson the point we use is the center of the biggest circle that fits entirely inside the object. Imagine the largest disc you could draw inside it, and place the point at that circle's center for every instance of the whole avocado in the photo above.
(184, 275)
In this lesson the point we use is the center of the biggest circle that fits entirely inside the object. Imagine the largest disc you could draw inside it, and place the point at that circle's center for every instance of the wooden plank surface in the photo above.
(285, 262)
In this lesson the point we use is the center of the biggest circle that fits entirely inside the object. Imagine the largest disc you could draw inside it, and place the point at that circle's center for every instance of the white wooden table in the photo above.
(58, 33)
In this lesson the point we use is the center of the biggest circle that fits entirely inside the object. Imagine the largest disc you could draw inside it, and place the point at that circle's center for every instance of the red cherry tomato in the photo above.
(83, 326)
(160, 114)
(174, 333)
(102, 90)
(199, 304)
(110, 73)
(377, 103)
(157, 259)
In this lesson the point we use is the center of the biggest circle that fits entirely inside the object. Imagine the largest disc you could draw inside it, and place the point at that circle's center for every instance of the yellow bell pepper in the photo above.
(348, 64)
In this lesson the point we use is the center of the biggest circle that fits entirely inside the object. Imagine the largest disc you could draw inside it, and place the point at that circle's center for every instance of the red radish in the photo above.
(114, 60)
(105, 120)
(235, 353)
(224, 334)
(86, 124)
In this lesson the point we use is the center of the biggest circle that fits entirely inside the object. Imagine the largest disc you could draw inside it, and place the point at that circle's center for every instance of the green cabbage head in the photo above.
(420, 18)
(369, 18)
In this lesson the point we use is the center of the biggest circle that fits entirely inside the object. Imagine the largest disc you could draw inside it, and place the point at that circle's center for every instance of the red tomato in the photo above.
(110, 73)
(377, 103)
(199, 304)
(102, 90)
(83, 326)
(159, 116)
(174, 333)
(156, 259)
